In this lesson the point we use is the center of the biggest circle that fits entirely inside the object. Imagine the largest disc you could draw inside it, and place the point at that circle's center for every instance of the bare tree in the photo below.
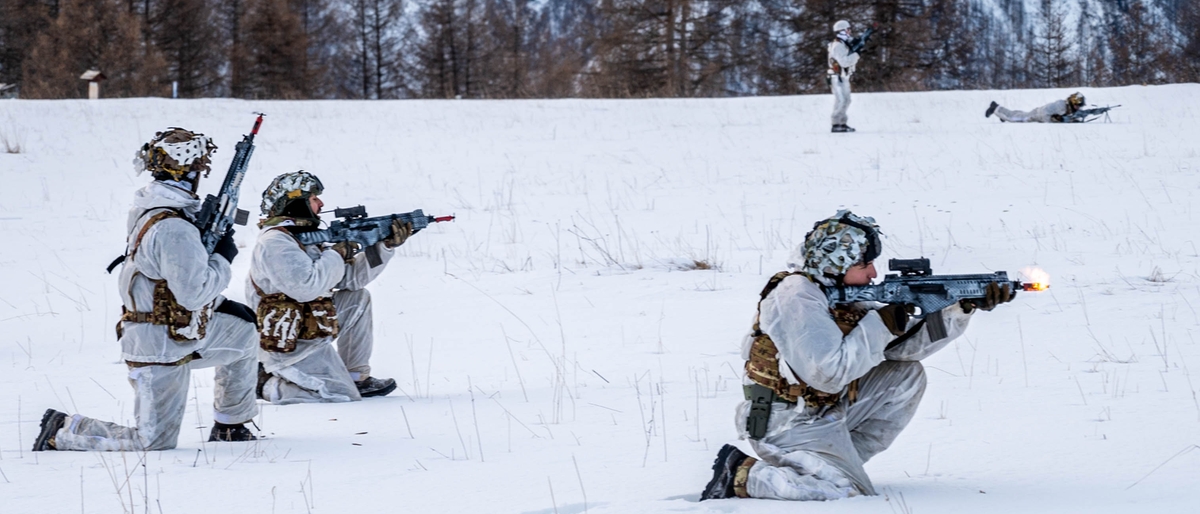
(20, 23)
(376, 47)
(92, 34)
(183, 30)
(663, 48)
(276, 51)
(1054, 61)
(1135, 45)
(439, 55)
(327, 38)
(1187, 62)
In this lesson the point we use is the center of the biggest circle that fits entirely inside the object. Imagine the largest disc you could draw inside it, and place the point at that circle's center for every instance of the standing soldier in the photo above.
(1053, 112)
(842, 60)
(305, 296)
(841, 381)
(174, 318)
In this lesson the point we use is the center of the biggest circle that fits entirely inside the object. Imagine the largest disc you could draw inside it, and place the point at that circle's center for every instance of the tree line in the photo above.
(374, 49)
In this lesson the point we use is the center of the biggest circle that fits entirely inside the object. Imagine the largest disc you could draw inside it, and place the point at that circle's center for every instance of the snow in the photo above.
(555, 355)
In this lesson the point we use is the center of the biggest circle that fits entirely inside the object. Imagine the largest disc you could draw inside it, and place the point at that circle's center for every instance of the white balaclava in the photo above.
(842, 28)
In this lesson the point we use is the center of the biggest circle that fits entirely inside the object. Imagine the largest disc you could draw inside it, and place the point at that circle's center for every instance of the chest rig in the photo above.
(182, 324)
(769, 386)
(282, 320)
(763, 365)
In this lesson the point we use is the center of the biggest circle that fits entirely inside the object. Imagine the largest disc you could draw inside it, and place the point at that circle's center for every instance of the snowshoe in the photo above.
(372, 386)
(991, 109)
(230, 433)
(724, 469)
(52, 422)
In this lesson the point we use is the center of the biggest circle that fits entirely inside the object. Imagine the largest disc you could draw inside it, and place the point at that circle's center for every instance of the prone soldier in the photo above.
(1069, 110)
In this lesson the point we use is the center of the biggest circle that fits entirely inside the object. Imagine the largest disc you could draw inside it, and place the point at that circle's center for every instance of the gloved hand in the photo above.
(400, 233)
(995, 294)
(226, 247)
(347, 249)
(895, 317)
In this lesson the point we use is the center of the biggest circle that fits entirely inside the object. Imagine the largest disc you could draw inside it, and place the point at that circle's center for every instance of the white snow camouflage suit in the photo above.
(1043, 114)
(817, 453)
(171, 250)
(315, 371)
(839, 52)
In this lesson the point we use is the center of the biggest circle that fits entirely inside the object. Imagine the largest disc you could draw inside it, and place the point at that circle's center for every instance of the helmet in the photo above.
(1076, 100)
(841, 25)
(834, 245)
(176, 154)
(297, 185)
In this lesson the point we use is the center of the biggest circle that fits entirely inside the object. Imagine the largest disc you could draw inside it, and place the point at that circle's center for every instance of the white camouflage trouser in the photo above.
(822, 458)
(160, 394)
(1037, 115)
(315, 372)
(841, 98)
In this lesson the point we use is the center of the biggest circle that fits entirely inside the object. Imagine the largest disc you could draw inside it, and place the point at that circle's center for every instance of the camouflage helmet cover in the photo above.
(835, 245)
(176, 153)
(288, 187)
(1076, 100)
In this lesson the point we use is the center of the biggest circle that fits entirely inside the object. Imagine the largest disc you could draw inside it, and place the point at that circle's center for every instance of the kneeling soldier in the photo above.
(828, 386)
(174, 318)
(305, 296)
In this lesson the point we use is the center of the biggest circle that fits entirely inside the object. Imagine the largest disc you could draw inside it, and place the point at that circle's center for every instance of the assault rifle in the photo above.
(218, 214)
(915, 284)
(857, 44)
(1081, 116)
(354, 226)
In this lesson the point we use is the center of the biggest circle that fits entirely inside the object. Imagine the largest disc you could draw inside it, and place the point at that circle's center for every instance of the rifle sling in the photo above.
(937, 330)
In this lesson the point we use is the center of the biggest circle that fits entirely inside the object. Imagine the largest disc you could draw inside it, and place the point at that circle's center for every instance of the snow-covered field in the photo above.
(557, 354)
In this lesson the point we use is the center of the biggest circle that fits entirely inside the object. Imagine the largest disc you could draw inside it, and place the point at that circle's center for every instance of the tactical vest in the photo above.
(182, 324)
(763, 365)
(834, 66)
(282, 320)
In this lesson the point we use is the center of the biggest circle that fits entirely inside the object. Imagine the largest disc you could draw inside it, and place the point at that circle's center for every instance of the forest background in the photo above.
(376, 49)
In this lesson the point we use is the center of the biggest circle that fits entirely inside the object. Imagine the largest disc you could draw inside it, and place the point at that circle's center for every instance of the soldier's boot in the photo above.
(724, 472)
(990, 110)
(230, 433)
(841, 128)
(371, 386)
(52, 422)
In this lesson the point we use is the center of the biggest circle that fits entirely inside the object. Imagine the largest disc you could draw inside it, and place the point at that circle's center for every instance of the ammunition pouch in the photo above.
(282, 321)
(182, 324)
